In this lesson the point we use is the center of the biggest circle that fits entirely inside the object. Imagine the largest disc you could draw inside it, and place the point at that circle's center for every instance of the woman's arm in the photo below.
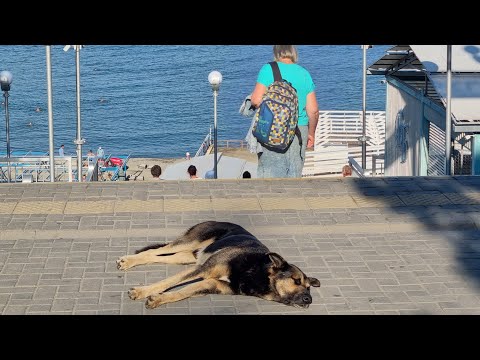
(257, 94)
(312, 113)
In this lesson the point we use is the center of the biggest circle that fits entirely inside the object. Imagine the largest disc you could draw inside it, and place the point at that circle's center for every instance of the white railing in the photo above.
(35, 167)
(327, 160)
(336, 139)
(206, 143)
(346, 127)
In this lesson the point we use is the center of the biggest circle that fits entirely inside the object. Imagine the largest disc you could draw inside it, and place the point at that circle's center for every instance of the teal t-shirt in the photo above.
(300, 79)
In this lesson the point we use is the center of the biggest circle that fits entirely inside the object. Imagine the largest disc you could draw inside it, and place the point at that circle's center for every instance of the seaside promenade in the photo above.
(378, 245)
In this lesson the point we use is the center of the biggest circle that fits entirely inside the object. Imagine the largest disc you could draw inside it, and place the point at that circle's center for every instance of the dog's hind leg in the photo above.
(189, 242)
(151, 257)
(201, 288)
(197, 237)
(177, 246)
(142, 292)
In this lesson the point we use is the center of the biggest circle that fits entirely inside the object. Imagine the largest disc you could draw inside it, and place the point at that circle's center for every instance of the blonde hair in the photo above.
(285, 51)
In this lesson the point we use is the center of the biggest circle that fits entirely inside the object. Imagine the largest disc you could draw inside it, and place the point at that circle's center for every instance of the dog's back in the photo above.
(230, 239)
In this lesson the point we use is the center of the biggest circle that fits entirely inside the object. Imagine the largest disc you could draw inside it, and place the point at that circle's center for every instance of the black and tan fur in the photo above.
(229, 260)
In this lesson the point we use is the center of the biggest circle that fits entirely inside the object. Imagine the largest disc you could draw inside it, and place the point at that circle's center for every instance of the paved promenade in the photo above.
(378, 246)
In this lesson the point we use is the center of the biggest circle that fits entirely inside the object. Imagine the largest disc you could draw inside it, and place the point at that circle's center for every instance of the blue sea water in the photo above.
(155, 101)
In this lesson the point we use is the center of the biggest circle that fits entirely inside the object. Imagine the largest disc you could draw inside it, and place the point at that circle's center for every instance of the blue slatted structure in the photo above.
(117, 172)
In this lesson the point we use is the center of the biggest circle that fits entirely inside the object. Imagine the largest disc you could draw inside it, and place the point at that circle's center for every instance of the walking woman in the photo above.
(289, 163)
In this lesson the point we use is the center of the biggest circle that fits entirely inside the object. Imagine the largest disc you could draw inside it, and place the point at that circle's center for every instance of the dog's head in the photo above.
(291, 285)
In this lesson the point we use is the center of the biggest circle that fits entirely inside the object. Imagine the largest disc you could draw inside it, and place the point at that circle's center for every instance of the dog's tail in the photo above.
(150, 247)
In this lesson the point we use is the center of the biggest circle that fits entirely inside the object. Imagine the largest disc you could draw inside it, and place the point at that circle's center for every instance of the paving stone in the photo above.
(367, 244)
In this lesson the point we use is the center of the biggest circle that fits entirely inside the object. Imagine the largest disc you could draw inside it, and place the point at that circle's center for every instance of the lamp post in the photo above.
(364, 137)
(448, 124)
(215, 79)
(5, 81)
(50, 112)
(78, 141)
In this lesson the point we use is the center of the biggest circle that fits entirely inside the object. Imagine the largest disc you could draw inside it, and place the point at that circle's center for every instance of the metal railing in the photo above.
(92, 169)
(237, 144)
(346, 127)
(36, 167)
(338, 129)
(205, 145)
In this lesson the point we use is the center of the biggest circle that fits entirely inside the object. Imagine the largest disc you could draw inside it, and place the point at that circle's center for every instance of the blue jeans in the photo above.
(272, 164)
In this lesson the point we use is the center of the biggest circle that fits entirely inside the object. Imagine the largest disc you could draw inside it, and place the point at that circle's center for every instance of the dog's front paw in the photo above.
(136, 293)
(153, 301)
(123, 263)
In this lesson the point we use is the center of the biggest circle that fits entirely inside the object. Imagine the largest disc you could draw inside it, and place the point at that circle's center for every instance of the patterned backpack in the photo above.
(277, 117)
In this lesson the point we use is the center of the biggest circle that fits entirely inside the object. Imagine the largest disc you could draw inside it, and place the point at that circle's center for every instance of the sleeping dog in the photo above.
(228, 260)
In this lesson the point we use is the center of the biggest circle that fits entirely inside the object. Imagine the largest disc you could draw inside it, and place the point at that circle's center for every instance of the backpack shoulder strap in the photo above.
(277, 76)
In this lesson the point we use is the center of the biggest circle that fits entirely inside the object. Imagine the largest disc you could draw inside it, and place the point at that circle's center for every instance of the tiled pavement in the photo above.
(378, 246)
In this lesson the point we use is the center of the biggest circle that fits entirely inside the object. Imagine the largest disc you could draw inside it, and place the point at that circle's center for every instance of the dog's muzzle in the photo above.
(302, 300)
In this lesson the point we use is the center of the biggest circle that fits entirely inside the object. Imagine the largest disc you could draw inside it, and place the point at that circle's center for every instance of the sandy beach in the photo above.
(139, 168)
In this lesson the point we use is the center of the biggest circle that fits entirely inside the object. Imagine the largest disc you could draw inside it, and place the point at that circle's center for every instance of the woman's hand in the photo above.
(256, 98)
(310, 142)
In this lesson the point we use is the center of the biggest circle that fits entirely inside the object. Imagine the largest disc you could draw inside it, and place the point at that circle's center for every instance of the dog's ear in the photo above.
(314, 282)
(277, 260)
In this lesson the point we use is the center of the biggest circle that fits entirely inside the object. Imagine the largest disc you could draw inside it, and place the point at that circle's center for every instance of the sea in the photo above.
(155, 100)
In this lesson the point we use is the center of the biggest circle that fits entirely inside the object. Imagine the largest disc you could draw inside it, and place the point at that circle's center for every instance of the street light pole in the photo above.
(7, 128)
(448, 124)
(215, 79)
(364, 108)
(50, 114)
(215, 159)
(5, 81)
(79, 141)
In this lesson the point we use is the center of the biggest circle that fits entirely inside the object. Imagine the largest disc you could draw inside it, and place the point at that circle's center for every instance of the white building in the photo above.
(415, 109)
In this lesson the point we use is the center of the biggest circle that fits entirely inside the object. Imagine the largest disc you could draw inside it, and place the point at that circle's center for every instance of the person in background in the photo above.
(90, 157)
(347, 170)
(274, 164)
(101, 157)
(61, 150)
(100, 153)
(246, 175)
(187, 155)
(156, 171)
(192, 171)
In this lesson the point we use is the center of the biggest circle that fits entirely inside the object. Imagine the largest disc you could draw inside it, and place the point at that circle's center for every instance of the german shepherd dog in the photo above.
(229, 260)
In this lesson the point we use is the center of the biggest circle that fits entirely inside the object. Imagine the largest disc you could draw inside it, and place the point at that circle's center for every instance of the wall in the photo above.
(398, 100)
